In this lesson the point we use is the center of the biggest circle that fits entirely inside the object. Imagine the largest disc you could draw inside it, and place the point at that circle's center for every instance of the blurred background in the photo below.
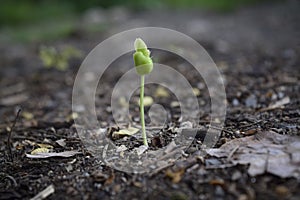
(36, 20)
(228, 27)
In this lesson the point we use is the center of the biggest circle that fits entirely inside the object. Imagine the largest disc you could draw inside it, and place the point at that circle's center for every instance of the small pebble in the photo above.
(141, 149)
(236, 175)
(148, 101)
(191, 150)
(175, 104)
(161, 92)
(235, 102)
(196, 92)
(121, 148)
(186, 124)
(280, 95)
(243, 197)
(219, 191)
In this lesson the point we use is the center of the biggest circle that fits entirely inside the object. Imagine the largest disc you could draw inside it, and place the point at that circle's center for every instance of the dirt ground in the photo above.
(257, 51)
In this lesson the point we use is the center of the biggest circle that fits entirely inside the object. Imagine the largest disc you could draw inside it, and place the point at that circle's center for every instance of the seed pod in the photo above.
(141, 57)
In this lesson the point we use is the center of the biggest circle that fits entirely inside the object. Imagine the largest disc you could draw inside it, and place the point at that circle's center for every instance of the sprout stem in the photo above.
(142, 110)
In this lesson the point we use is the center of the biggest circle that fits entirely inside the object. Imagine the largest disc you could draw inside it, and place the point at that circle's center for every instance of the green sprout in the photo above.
(51, 57)
(143, 65)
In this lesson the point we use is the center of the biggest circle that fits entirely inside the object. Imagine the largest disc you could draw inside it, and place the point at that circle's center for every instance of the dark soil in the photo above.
(255, 78)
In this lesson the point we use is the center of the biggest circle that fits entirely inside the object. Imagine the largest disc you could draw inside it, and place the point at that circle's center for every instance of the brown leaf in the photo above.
(265, 152)
(219, 182)
(110, 180)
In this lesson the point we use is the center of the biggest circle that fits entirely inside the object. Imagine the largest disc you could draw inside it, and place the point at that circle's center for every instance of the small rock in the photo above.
(69, 168)
(196, 92)
(280, 95)
(235, 102)
(161, 92)
(175, 104)
(61, 142)
(236, 175)
(186, 124)
(202, 172)
(121, 148)
(251, 101)
(243, 197)
(191, 150)
(141, 149)
(282, 191)
(219, 191)
(274, 96)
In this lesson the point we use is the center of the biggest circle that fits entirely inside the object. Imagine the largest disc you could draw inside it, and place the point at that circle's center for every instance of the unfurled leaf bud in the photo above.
(141, 57)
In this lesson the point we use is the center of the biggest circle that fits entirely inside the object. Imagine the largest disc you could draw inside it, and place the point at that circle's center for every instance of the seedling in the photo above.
(143, 65)
(51, 57)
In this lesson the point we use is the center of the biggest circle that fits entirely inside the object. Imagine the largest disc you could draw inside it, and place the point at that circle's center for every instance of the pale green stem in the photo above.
(142, 110)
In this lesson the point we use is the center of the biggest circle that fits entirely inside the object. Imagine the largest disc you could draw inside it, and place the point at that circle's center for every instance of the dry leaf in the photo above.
(175, 176)
(265, 152)
(129, 131)
(64, 154)
(123, 102)
(277, 104)
(27, 115)
(39, 150)
(61, 142)
(110, 179)
(47, 146)
(72, 116)
(141, 149)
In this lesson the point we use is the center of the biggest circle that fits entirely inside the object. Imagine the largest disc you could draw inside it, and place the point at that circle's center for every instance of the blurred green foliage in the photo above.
(45, 20)
(13, 12)
(51, 57)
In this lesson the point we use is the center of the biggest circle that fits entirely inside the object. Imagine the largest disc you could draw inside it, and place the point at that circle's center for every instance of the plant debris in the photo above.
(45, 193)
(123, 132)
(45, 154)
(265, 152)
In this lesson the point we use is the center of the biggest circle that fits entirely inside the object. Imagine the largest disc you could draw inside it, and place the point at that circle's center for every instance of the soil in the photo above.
(255, 78)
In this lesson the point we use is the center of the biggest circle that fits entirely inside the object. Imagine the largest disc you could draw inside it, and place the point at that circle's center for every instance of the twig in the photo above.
(251, 124)
(9, 136)
(220, 129)
(45, 193)
(160, 169)
(6, 176)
